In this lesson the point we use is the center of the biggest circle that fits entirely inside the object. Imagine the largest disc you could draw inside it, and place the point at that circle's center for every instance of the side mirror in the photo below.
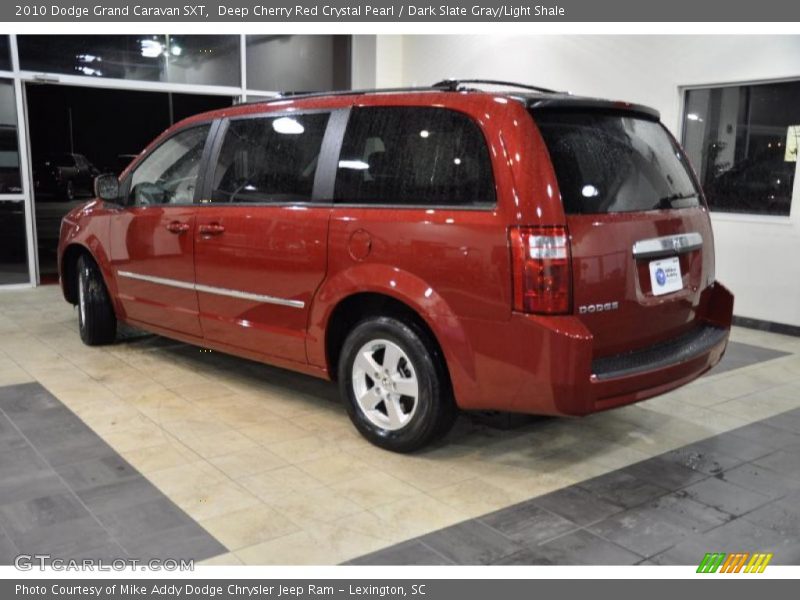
(106, 187)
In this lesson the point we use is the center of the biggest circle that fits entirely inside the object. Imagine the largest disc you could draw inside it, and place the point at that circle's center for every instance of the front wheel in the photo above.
(394, 385)
(96, 319)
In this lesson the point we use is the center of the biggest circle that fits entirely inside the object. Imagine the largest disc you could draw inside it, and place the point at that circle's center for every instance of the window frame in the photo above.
(725, 216)
(125, 184)
(487, 207)
(322, 189)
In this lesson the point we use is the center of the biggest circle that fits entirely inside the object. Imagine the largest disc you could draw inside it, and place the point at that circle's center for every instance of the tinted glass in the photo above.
(609, 163)
(10, 182)
(743, 143)
(169, 174)
(5, 53)
(298, 63)
(198, 59)
(414, 156)
(13, 244)
(270, 159)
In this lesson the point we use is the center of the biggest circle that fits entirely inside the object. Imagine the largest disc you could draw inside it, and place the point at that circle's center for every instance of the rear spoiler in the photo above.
(567, 102)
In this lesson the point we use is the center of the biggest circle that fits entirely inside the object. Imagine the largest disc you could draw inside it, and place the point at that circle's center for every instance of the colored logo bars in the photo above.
(734, 563)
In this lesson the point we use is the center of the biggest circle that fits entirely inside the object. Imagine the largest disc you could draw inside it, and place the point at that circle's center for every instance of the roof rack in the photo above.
(446, 85)
(457, 84)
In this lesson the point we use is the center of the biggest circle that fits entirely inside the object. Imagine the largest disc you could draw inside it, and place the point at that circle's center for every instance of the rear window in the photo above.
(421, 156)
(611, 162)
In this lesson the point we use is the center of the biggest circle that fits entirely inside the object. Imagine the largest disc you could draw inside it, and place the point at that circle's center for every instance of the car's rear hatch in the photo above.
(640, 236)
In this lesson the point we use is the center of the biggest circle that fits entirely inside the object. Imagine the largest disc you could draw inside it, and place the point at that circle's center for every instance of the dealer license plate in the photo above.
(665, 276)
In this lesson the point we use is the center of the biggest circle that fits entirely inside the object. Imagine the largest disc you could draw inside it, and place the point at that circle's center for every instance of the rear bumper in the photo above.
(560, 377)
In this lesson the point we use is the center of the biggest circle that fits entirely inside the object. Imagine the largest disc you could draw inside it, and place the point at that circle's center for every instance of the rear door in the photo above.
(641, 241)
(261, 241)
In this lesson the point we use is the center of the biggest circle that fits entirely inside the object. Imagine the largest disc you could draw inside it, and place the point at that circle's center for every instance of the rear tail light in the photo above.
(541, 269)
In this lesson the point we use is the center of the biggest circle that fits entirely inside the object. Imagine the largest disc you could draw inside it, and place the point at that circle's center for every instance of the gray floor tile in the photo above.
(189, 541)
(106, 552)
(689, 514)
(18, 459)
(577, 505)
(766, 435)
(28, 486)
(734, 446)
(7, 429)
(578, 548)
(528, 523)
(118, 496)
(786, 462)
(688, 552)
(146, 517)
(742, 535)
(95, 472)
(726, 497)
(623, 489)
(7, 550)
(73, 450)
(412, 552)
(787, 421)
(781, 516)
(471, 543)
(645, 531)
(702, 459)
(761, 479)
(65, 538)
(45, 511)
(24, 398)
(666, 473)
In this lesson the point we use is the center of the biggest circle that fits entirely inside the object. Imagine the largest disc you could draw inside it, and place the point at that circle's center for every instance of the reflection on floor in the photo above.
(267, 462)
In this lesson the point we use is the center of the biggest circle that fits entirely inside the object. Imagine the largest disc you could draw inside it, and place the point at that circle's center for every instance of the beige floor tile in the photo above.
(219, 444)
(168, 455)
(336, 467)
(187, 476)
(303, 449)
(317, 504)
(324, 546)
(373, 489)
(213, 499)
(247, 462)
(274, 431)
(410, 517)
(474, 497)
(277, 483)
(249, 526)
(228, 559)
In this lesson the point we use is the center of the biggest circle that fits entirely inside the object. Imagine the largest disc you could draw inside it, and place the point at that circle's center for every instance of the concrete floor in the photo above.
(268, 464)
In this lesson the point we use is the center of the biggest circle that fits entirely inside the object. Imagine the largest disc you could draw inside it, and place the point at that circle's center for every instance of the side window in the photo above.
(269, 159)
(413, 156)
(169, 174)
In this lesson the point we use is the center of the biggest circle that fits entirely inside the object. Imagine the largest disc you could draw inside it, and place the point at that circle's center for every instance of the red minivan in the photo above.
(432, 249)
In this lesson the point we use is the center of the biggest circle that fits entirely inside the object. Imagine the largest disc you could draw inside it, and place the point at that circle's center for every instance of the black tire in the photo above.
(435, 410)
(96, 319)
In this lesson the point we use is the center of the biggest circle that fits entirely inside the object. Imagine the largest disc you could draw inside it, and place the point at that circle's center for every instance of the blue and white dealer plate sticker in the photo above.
(665, 276)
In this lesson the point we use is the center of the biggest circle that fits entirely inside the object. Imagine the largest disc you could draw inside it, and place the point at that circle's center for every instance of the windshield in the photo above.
(613, 162)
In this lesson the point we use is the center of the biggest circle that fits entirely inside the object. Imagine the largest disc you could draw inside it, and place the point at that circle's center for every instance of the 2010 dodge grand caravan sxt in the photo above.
(431, 249)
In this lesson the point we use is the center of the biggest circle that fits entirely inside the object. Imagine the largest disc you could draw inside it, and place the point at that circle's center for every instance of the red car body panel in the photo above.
(451, 266)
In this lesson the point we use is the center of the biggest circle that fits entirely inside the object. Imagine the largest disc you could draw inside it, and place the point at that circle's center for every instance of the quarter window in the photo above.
(169, 174)
(269, 159)
(414, 156)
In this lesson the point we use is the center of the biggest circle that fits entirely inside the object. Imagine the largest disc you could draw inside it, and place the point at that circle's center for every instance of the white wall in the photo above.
(756, 257)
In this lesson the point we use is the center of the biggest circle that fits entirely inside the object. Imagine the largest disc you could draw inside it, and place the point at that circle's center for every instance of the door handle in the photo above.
(211, 229)
(177, 227)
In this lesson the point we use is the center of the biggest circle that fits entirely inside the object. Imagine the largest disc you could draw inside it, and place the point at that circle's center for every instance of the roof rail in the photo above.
(446, 85)
(455, 84)
(283, 96)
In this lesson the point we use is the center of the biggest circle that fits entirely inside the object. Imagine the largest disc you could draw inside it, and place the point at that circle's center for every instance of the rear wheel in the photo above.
(394, 385)
(96, 319)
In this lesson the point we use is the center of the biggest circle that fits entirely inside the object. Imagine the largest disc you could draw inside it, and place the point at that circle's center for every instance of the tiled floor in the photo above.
(268, 463)
(737, 491)
(64, 492)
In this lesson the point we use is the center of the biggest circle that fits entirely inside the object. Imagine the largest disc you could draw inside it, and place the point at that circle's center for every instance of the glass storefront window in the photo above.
(9, 146)
(5, 53)
(13, 244)
(743, 140)
(193, 59)
(298, 63)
